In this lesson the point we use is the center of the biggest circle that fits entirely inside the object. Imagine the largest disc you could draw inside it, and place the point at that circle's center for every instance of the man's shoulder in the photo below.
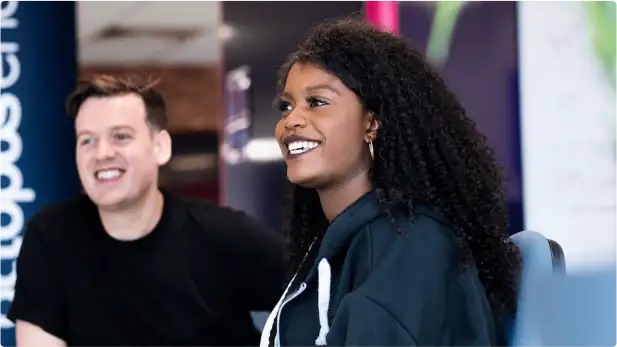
(212, 217)
(56, 222)
(207, 213)
(66, 211)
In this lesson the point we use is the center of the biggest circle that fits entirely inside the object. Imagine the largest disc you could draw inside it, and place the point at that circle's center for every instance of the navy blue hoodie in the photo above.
(369, 284)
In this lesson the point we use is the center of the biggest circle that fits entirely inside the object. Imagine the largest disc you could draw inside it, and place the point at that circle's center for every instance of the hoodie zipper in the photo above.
(277, 339)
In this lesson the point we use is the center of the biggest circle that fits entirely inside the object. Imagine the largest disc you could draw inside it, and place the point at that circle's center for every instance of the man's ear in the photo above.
(162, 147)
(372, 127)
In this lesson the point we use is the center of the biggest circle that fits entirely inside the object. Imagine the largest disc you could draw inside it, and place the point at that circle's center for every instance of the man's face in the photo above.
(118, 153)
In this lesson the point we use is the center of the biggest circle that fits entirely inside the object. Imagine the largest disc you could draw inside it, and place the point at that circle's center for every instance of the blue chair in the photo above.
(542, 258)
(558, 309)
(577, 309)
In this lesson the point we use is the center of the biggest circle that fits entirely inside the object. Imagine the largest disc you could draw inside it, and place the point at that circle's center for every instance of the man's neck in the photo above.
(136, 221)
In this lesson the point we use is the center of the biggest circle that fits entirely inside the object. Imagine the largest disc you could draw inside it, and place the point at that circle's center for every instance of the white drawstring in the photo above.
(324, 279)
(265, 335)
(323, 300)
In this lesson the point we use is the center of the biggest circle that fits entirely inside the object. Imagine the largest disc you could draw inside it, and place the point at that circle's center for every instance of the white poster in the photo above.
(567, 75)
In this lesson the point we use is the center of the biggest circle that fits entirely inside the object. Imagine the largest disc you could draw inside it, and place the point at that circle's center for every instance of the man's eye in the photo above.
(122, 137)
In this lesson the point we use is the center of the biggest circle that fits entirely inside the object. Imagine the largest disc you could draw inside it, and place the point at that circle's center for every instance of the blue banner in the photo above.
(37, 164)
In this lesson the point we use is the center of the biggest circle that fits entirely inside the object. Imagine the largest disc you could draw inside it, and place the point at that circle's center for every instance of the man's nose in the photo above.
(104, 150)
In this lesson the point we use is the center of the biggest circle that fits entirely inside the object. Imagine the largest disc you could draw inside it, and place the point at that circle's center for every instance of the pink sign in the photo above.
(383, 14)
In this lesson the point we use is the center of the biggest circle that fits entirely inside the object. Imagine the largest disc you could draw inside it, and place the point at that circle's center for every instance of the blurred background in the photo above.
(537, 77)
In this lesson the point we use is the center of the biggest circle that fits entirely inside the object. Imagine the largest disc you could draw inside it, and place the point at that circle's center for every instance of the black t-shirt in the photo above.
(192, 281)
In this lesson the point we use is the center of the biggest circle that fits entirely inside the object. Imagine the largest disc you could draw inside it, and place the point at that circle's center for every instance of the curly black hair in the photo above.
(427, 151)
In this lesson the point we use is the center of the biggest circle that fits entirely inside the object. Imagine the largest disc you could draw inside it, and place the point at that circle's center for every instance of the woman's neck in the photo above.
(336, 199)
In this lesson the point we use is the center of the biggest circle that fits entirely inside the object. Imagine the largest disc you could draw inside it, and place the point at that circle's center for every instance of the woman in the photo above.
(397, 222)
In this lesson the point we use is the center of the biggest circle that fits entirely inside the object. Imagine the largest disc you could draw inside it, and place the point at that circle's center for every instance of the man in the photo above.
(128, 263)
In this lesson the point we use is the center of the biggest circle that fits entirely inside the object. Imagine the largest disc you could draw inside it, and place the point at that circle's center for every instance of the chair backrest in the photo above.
(559, 259)
(539, 254)
(541, 258)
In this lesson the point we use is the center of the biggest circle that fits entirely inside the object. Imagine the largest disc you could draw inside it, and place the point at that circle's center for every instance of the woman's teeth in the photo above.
(298, 147)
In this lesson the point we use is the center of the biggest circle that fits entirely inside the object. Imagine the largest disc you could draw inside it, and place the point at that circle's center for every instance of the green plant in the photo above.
(603, 22)
(601, 15)
(444, 20)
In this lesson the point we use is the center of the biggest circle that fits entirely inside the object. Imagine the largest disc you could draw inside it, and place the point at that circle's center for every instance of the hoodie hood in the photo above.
(347, 225)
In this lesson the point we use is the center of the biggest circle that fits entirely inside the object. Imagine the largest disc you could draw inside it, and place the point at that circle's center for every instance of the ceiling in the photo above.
(149, 32)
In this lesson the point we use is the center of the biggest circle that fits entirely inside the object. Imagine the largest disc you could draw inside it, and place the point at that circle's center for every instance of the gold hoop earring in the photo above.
(370, 149)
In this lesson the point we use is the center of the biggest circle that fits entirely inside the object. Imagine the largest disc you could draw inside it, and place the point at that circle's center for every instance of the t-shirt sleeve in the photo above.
(262, 263)
(38, 295)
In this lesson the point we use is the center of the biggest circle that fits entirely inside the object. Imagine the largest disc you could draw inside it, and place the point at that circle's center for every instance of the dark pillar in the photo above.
(37, 158)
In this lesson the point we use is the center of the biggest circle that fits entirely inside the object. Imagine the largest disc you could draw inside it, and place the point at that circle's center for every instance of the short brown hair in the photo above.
(107, 86)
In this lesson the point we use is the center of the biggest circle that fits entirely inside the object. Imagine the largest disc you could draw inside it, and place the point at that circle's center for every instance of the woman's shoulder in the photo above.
(406, 235)
(415, 275)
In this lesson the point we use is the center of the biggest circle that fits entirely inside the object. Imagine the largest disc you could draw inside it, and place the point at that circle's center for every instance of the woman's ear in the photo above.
(372, 127)
(162, 147)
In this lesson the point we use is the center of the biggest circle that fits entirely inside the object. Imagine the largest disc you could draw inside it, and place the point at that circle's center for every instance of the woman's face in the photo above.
(324, 130)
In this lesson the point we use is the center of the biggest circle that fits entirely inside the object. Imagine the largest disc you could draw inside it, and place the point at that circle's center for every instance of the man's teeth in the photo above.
(108, 174)
(298, 147)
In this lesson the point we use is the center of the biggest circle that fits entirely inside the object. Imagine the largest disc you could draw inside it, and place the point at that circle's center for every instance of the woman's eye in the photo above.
(314, 102)
(284, 106)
